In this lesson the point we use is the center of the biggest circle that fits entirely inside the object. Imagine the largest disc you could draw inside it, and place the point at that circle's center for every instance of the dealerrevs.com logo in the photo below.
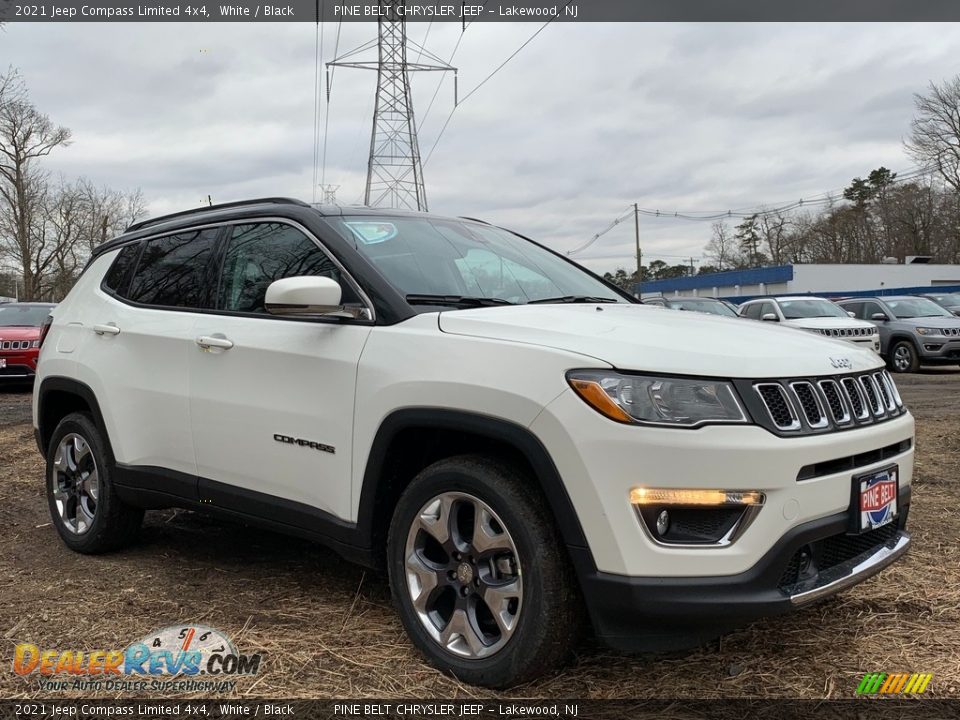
(178, 658)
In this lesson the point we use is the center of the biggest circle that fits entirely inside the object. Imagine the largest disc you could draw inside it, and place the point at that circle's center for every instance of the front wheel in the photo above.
(479, 574)
(904, 358)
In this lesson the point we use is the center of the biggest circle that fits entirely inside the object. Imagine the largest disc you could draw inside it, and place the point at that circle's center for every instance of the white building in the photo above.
(813, 279)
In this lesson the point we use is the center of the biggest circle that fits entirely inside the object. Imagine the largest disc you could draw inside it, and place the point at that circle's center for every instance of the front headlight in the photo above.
(929, 331)
(669, 401)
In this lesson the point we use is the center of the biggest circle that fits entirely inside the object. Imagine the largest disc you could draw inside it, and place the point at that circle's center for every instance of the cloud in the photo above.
(586, 120)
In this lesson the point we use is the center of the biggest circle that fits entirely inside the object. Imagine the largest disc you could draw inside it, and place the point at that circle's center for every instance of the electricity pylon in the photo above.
(394, 171)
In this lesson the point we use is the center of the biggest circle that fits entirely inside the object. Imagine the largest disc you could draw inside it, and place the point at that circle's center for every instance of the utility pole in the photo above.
(636, 229)
(394, 170)
(692, 272)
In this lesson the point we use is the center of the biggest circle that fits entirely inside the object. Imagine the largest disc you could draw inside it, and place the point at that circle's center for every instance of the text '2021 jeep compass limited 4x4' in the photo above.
(510, 437)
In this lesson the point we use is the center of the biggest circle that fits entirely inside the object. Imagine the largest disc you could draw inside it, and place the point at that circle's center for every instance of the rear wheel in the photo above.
(83, 502)
(904, 357)
(479, 574)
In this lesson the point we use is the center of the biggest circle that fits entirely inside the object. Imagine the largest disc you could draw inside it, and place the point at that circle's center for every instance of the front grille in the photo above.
(835, 550)
(951, 331)
(15, 344)
(845, 332)
(800, 406)
(850, 463)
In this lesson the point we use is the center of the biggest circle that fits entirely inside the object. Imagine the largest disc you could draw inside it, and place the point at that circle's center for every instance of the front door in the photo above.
(272, 398)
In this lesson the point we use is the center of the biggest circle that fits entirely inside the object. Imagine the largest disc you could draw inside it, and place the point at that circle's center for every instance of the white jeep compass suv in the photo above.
(511, 438)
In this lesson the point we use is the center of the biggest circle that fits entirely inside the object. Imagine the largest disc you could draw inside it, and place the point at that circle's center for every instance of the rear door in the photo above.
(140, 338)
(272, 399)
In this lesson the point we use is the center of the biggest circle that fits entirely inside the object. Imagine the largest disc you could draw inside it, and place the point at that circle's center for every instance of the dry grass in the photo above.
(327, 629)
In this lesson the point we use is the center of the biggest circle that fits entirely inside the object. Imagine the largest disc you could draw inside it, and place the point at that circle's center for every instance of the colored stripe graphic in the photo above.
(894, 683)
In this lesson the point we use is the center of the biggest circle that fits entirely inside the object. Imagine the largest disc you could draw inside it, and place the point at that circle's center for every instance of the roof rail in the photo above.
(221, 206)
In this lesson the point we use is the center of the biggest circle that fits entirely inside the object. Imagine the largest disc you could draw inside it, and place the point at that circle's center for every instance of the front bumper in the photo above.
(646, 613)
(935, 349)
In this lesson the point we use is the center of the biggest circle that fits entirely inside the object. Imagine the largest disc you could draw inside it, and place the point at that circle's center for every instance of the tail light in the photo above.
(44, 329)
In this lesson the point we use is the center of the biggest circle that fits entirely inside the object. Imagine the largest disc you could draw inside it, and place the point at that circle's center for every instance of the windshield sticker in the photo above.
(370, 233)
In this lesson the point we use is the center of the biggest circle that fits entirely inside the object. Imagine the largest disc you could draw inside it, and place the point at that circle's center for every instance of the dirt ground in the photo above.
(327, 629)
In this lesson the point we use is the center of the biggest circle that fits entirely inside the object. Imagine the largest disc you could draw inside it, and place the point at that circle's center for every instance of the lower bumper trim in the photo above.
(851, 572)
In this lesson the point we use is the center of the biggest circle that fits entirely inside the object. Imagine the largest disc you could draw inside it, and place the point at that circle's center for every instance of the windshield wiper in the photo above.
(457, 300)
(572, 299)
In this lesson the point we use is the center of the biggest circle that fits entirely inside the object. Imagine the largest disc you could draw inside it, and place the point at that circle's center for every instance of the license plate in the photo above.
(875, 495)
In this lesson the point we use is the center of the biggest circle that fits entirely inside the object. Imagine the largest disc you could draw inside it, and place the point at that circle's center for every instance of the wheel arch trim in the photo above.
(516, 436)
(69, 386)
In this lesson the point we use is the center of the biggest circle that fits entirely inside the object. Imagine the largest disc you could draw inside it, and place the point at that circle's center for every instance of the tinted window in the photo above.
(259, 254)
(868, 310)
(119, 273)
(752, 311)
(173, 270)
(856, 308)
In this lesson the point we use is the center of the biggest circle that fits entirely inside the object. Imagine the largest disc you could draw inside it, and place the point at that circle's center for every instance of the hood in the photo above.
(19, 333)
(652, 339)
(931, 322)
(829, 323)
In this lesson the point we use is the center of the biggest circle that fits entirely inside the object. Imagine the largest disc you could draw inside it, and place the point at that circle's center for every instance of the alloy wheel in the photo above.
(902, 358)
(76, 483)
(463, 575)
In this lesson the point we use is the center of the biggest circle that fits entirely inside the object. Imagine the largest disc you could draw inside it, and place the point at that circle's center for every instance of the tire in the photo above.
(84, 506)
(520, 568)
(904, 357)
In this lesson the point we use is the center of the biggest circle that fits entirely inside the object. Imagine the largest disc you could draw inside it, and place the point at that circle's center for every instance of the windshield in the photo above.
(23, 315)
(450, 259)
(949, 300)
(708, 306)
(810, 308)
(907, 308)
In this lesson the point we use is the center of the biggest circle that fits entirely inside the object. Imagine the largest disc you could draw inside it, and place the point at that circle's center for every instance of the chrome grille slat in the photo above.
(838, 407)
(855, 397)
(885, 393)
(773, 395)
(810, 404)
(872, 394)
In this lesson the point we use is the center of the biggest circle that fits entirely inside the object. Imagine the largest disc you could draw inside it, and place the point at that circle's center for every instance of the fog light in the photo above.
(663, 522)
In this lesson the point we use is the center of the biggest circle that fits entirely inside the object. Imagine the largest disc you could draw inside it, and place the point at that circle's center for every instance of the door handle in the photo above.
(106, 329)
(214, 341)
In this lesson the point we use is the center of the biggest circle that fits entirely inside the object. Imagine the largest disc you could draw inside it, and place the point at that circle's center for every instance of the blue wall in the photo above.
(728, 278)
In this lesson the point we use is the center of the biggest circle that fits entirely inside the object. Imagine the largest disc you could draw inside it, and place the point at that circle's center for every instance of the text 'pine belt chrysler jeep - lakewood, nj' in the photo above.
(512, 439)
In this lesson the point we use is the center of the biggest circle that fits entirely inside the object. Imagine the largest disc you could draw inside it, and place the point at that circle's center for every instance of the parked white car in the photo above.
(509, 437)
(814, 314)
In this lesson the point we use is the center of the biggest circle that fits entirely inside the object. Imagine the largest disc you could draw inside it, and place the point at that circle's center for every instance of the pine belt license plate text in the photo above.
(876, 495)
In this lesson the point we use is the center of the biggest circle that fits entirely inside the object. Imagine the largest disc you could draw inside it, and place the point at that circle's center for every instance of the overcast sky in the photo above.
(584, 121)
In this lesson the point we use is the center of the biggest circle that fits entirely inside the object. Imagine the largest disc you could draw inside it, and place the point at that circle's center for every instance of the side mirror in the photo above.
(851, 313)
(770, 317)
(879, 316)
(307, 297)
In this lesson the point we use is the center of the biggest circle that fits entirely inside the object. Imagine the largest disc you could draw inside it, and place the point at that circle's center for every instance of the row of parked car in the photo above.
(907, 330)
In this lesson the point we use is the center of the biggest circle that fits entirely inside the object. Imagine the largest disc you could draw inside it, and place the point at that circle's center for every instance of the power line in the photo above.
(762, 210)
(487, 79)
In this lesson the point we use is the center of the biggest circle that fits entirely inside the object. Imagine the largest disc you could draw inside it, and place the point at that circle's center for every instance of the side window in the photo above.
(118, 275)
(752, 311)
(870, 308)
(261, 253)
(855, 307)
(173, 270)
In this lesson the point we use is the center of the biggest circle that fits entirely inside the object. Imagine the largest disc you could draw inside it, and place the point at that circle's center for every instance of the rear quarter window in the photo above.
(174, 271)
(118, 276)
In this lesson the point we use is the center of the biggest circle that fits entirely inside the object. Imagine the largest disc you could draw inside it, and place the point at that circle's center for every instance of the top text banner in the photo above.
(478, 11)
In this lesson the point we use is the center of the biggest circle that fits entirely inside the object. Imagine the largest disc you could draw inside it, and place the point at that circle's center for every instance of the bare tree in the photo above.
(26, 134)
(721, 249)
(935, 131)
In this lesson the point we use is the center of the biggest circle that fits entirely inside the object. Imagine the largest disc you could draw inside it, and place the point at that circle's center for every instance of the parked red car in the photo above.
(21, 325)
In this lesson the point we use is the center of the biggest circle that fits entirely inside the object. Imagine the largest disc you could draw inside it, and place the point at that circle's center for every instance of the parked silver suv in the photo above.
(914, 331)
